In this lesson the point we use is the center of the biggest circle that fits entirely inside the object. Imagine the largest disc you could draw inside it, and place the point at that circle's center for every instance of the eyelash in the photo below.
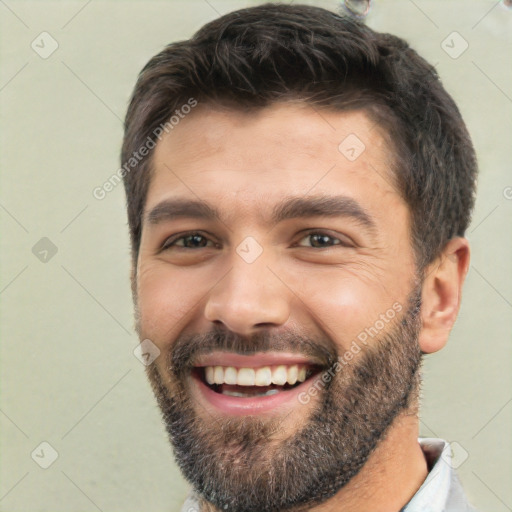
(170, 242)
(340, 241)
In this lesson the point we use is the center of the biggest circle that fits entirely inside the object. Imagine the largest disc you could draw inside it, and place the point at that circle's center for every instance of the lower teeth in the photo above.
(245, 395)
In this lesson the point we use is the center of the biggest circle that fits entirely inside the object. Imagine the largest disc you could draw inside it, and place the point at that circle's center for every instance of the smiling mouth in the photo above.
(250, 382)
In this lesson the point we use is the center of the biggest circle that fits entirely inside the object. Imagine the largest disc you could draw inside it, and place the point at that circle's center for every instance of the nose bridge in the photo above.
(249, 295)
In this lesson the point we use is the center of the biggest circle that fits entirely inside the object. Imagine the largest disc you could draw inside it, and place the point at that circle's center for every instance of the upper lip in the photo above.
(224, 358)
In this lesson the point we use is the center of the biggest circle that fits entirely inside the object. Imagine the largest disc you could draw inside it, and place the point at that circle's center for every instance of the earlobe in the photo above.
(441, 294)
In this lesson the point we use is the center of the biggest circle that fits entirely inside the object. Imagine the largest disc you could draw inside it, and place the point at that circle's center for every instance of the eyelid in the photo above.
(345, 240)
(170, 240)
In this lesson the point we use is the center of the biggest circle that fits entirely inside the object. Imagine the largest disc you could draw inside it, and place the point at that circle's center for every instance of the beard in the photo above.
(248, 463)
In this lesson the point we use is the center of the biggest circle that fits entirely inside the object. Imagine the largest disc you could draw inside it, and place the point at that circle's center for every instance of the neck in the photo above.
(392, 475)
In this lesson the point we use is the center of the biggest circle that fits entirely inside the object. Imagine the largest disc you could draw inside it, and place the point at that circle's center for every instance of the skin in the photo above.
(243, 164)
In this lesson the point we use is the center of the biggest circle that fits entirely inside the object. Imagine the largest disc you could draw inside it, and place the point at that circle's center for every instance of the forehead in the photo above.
(253, 158)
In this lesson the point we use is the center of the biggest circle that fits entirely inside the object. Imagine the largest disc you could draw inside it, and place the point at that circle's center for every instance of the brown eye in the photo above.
(193, 241)
(188, 241)
(320, 241)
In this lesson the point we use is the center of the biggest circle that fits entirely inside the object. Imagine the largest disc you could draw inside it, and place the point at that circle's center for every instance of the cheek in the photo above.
(166, 299)
(344, 305)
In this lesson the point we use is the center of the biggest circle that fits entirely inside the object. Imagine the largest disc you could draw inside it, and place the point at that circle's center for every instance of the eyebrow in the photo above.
(171, 209)
(322, 206)
(288, 208)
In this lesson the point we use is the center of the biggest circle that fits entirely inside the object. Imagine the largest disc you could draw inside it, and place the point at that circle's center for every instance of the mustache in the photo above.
(188, 348)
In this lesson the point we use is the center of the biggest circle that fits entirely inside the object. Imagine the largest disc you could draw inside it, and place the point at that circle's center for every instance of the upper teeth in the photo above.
(263, 376)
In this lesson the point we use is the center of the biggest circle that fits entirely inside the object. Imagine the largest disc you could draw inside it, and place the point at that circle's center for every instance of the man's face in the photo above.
(277, 278)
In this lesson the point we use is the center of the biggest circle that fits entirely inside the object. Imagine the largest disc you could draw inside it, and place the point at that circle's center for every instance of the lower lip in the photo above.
(233, 405)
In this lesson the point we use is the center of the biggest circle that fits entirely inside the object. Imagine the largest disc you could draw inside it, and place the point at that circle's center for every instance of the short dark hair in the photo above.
(254, 57)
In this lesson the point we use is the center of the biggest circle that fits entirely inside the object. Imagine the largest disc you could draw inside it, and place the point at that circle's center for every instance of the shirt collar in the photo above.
(433, 494)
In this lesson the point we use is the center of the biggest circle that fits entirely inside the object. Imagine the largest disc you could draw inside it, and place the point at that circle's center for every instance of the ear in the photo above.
(441, 294)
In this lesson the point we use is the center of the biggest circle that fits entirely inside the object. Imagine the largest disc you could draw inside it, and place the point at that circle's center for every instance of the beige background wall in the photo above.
(68, 374)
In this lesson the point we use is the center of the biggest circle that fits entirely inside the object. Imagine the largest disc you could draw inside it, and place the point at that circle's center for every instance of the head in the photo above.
(297, 215)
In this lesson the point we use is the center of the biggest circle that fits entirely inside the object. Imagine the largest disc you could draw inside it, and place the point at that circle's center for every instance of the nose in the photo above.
(249, 297)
